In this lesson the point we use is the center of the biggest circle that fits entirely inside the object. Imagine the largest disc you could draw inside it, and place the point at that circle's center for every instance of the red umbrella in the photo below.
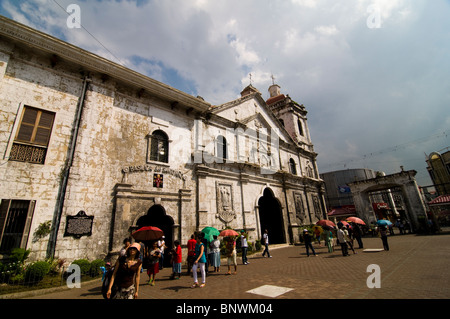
(356, 220)
(325, 222)
(228, 233)
(147, 233)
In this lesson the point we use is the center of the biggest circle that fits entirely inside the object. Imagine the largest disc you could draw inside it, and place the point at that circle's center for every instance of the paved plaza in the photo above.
(415, 267)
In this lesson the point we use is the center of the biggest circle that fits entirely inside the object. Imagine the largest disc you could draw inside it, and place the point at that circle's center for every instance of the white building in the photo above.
(81, 135)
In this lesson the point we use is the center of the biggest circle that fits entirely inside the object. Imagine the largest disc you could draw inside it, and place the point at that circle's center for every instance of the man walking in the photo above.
(244, 247)
(308, 242)
(265, 242)
(342, 242)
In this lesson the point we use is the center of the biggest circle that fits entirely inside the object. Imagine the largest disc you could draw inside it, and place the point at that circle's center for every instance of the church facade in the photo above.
(91, 151)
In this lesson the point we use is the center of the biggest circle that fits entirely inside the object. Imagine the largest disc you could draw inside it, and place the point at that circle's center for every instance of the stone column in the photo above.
(363, 206)
(202, 197)
(414, 204)
(120, 221)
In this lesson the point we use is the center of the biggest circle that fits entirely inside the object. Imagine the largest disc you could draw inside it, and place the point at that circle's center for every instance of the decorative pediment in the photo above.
(256, 122)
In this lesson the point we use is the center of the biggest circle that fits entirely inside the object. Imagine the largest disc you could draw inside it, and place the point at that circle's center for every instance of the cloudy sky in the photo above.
(373, 74)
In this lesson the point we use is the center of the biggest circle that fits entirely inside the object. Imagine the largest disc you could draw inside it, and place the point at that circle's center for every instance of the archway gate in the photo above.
(405, 181)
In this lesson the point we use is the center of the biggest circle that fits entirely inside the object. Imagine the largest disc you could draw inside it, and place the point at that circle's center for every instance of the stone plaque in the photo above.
(79, 225)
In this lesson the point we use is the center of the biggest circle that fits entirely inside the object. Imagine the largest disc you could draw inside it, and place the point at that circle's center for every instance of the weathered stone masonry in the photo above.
(143, 153)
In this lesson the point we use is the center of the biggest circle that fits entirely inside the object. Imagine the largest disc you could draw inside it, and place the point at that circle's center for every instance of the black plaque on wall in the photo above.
(79, 225)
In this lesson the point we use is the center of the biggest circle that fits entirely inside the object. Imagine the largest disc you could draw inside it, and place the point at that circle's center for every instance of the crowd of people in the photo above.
(122, 280)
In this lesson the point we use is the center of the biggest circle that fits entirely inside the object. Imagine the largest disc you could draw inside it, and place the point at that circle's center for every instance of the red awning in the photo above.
(440, 200)
(348, 210)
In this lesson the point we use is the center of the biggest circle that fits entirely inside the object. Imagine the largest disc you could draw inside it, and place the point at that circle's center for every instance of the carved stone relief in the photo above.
(225, 206)
(299, 208)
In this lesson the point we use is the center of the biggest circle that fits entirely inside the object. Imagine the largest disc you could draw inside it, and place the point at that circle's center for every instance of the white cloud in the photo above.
(245, 56)
(305, 3)
(321, 52)
(326, 30)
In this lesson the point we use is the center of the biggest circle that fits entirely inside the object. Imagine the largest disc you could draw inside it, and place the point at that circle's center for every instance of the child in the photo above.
(176, 260)
(231, 254)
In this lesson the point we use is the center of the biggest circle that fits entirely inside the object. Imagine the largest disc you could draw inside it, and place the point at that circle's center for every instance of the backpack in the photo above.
(105, 284)
(263, 240)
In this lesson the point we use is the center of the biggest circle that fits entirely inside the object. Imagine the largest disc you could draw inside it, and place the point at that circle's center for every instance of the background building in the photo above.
(438, 166)
(340, 201)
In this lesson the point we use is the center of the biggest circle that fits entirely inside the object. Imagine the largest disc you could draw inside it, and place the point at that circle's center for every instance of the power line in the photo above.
(110, 52)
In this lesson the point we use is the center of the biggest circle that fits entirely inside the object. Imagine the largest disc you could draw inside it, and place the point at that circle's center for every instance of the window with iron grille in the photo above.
(15, 222)
(33, 135)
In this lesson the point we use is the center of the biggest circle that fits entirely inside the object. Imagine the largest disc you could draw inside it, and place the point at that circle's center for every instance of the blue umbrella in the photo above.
(383, 222)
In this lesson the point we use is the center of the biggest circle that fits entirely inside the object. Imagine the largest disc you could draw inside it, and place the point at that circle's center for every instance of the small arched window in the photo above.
(292, 167)
(221, 147)
(159, 147)
(300, 127)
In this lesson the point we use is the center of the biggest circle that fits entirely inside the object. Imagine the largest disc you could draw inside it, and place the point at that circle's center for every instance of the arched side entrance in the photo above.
(271, 217)
(156, 216)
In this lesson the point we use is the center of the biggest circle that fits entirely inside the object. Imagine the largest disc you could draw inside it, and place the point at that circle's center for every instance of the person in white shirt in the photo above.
(342, 242)
(266, 244)
(244, 247)
(161, 246)
(215, 260)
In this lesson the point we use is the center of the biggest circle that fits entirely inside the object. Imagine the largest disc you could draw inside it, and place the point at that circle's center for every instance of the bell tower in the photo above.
(291, 114)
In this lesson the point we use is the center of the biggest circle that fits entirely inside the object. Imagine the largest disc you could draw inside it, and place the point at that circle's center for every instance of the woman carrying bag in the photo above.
(126, 276)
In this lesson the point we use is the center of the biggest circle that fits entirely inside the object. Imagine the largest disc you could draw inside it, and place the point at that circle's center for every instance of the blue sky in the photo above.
(373, 74)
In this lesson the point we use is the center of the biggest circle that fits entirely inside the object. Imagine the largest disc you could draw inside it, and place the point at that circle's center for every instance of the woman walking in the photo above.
(153, 263)
(199, 263)
(328, 238)
(126, 275)
(231, 255)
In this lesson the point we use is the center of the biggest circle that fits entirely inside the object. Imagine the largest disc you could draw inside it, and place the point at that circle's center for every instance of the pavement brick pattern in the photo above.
(416, 267)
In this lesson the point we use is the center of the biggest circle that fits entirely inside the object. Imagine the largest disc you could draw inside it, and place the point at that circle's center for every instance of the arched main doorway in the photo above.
(156, 216)
(270, 217)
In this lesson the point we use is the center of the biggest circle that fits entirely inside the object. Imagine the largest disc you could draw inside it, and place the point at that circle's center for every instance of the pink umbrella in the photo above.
(325, 222)
(343, 222)
(356, 220)
(228, 233)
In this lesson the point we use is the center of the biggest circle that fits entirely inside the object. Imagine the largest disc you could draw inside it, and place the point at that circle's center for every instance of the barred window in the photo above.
(159, 147)
(15, 222)
(33, 135)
